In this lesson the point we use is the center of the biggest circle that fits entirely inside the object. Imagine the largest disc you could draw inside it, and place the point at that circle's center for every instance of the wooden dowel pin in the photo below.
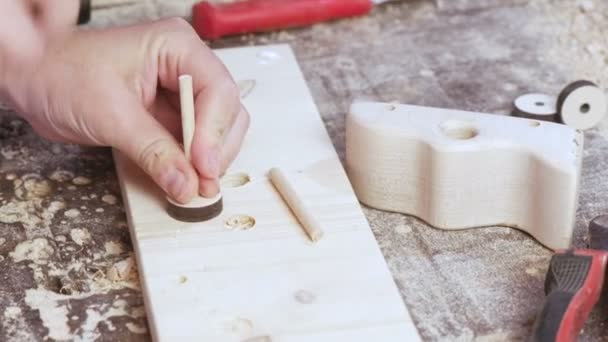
(186, 102)
(286, 189)
(200, 208)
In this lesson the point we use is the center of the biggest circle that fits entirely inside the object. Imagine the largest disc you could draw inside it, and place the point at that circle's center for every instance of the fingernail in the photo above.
(208, 188)
(173, 181)
(213, 162)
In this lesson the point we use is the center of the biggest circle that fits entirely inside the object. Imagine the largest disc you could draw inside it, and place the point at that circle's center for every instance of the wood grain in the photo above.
(203, 281)
(457, 169)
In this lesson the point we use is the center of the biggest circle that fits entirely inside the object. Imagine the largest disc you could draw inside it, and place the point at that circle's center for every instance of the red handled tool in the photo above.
(213, 21)
(573, 286)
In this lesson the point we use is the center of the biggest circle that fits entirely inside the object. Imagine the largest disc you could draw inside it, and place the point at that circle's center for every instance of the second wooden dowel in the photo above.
(284, 186)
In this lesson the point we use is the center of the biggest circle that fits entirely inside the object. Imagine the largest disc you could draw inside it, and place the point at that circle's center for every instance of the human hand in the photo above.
(119, 88)
(25, 26)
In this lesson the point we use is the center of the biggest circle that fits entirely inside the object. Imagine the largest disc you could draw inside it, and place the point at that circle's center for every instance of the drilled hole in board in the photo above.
(459, 130)
(391, 107)
(585, 107)
(240, 222)
(235, 180)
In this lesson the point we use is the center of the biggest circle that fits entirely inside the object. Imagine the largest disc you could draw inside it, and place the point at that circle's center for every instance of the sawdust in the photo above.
(37, 250)
(80, 236)
(61, 176)
(54, 312)
(123, 270)
(22, 212)
(136, 328)
(2, 241)
(12, 312)
(72, 213)
(14, 324)
(496, 337)
(581, 37)
(109, 199)
(81, 180)
(27, 207)
(114, 248)
(31, 186)
(8, 154)
(403, 229)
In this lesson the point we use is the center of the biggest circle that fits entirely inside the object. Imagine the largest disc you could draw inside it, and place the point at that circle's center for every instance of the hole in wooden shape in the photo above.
(585, 107)
(240, 222)
(459, 130)
(539, 103)
(235, 180)
(534, 123)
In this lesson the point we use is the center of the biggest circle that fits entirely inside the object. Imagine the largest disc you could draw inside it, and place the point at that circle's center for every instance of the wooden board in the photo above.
(206, 282)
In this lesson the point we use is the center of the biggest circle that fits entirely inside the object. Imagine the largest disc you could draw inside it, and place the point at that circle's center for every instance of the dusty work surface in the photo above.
(65, 254)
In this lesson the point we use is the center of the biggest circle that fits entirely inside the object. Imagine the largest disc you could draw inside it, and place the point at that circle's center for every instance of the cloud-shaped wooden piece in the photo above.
(456, 169)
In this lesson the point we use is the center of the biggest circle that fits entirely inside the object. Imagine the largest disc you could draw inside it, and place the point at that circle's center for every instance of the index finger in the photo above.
(216, 95)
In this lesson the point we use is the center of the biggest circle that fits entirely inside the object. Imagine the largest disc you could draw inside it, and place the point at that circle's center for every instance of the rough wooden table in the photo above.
(63, 231)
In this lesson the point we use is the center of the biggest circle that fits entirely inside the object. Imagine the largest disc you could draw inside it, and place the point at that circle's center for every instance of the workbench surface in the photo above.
(63, 226)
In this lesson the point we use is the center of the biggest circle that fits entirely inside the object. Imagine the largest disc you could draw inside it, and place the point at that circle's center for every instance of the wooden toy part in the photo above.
(285, 186)
(199, 208)
(456, 169)
(252, 274)
(536, 107)
(582, 105)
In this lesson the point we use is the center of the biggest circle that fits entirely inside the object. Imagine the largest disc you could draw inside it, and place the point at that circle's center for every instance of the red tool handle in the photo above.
(574, 283)
(213, 21)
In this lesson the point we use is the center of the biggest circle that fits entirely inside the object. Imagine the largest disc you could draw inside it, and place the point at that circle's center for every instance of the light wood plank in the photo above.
(205, 282)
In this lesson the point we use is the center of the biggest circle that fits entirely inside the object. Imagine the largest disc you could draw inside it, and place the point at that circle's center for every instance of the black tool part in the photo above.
(567, 272)
(566, 275)
(598, 233)
(550, 318)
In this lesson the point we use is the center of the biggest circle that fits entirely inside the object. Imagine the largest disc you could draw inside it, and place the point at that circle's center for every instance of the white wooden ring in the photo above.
(582, 105)
(536, 106)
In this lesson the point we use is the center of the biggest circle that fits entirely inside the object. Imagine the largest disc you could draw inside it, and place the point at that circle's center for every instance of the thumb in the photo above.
(145, 141)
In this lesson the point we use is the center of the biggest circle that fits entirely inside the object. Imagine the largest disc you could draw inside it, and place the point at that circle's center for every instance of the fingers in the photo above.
(234, 139)
(151, 146)
(167, 114)
(216, 109)
(231, 146)
(217, 101)
(54, 17)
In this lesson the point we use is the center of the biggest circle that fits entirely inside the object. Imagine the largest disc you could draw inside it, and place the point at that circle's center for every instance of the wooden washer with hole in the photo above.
(582, 105)
(456, 169)
(536, 107)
